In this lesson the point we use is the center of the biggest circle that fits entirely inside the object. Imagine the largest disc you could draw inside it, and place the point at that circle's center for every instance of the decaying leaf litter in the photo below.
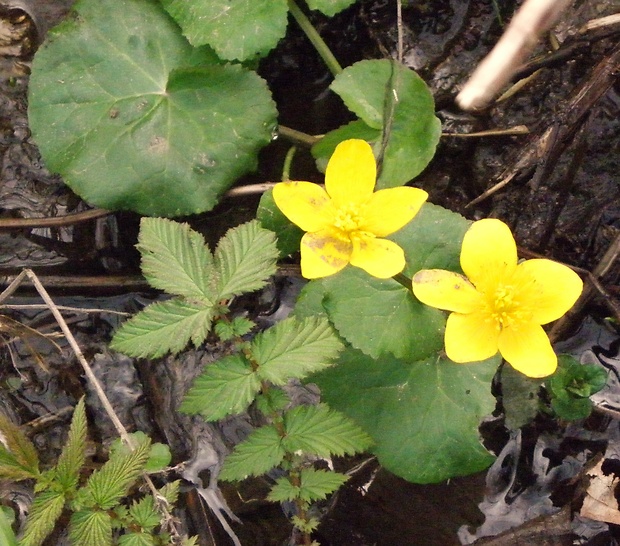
(554, 186)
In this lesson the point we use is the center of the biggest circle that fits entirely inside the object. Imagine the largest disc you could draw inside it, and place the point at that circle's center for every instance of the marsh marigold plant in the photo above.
(346, 222)
(500, 304)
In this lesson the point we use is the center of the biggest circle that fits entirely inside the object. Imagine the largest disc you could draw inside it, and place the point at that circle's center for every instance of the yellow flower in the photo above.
(501, 304)
(345, 222)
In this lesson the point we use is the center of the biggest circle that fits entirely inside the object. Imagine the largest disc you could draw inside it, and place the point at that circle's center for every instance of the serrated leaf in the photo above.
(176, 259)
(295, 348)
(159, 455)
(110, 483)
(90, 527)
(73, 453)
(226, 387)
(235, 29)
(163, 327)
(330, 7)
(423, 416)
(261, 451)
(7, 535)
(189, 541)
(372, 88)
(44, 512)
(136, 539)
(18, 457)
(320, 430)
(244, 259)
(170, 492)
(144, 514)
(314, 485)
(134, 118)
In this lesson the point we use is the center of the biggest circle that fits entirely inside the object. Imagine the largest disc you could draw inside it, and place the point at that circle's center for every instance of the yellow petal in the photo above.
(470, 338)
(351, 173)
(389, 210)
(528, 350)
(488, 254)
(549, 289)
(324, 253)
(378, 257)
(446, 290)
(305, 204)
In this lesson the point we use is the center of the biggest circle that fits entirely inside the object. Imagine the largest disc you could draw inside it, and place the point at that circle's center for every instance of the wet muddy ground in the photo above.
(556, 186)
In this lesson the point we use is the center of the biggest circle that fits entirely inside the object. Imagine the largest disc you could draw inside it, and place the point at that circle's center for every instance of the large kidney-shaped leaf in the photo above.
(235, 29)
(389, 96)
(135, 118)
(423, 415)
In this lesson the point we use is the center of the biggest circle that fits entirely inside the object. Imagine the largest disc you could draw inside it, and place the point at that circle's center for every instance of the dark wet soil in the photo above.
(561, 196)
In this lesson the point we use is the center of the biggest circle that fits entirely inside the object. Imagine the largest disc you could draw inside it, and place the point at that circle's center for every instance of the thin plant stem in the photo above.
(288, 160)
(404, 280)
(315, 38)
(297, 136)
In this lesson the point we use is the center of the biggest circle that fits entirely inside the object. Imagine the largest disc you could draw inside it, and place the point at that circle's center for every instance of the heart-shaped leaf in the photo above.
(135, 118)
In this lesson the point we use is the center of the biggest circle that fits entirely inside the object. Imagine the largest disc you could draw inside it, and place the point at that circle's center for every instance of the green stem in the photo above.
(315, 38)
(286, 169)
(403, 279)
(297, 136)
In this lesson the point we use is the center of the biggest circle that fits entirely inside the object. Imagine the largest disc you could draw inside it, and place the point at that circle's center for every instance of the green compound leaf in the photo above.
(258, 453)
(73, 453)
(226, 387)
(18, 458)
(170, 492)
(110, 483)
(136, 539)
(159, 455)
(315, 485)
(235, 29)
(134, 118)
(320, 430)
(163, 327)
(244, 259)
(294, 348)
(423, 416)
(44, 512)
(271, 217)
(373, 87)
(144, 514)
(175, 259)
(381, 316)
(329, 7)
(90, 527)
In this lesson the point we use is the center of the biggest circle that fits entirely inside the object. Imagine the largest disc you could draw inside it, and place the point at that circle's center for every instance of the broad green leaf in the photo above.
(314, 485)
(73, 453)
(110, 483)
(226, 387)
(423, 416)
(144, 514)
(381, 316)
(320, 430)
(520, 397)
(235, 29)
(163, 327)
(310, 300)
(136, 539)
(391, 97)
(18, 456)
(244, 259)
(261, 451)
(7, 535)
(330, 7)
(134, 118)
(91, 527)
(175, 258)
(271, 217)
(294, 348)
(44, 512)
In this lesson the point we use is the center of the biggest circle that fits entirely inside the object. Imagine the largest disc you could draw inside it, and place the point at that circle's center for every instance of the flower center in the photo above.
(506, 308)
(348, 218)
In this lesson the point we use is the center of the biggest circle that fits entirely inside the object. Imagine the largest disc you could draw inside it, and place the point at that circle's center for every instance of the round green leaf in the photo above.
(423, 416)
(389, 96)
(134, 118)
(381, 316)
(329, 7)
(235, 29)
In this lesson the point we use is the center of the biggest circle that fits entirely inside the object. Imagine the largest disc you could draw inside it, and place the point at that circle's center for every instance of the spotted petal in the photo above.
(528, 350)
(488, 254)
(305, 204)
(446, 290)
(324, 253)
(552, 290)
(391, 209)
(470, 338)
(378, 257)
(351, 173)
